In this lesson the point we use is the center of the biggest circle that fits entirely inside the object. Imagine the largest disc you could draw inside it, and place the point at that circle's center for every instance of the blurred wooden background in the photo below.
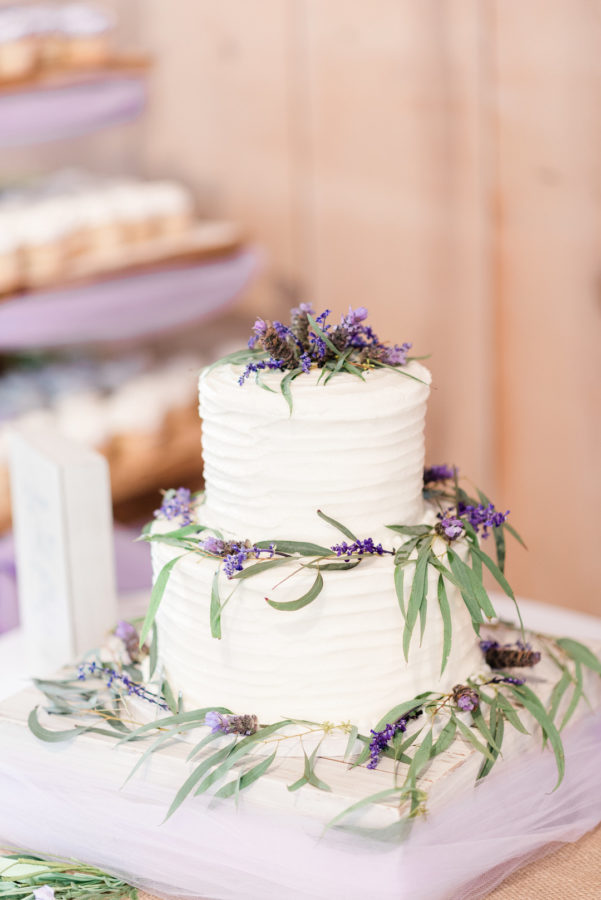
(438, 161)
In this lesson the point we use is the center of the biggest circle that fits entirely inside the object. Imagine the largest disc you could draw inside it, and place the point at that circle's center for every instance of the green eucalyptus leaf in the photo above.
(162, 739)
(179, 534)
(258, 567)
(530, 701)
(215, 611)
(192, 780)
(482, 726)
(478, 585)
(322, 335)
(335, 566)
(366, 801)
(445, 738)
(303, 548)
(353, 370)
(417, 596)
(399, 586)
(400, 371)
(412, 530)
(497, 729)
(499, 577)
(445, 612)
(168, 695)
(462, 574)
(352, 740)
(580, 653)
(248, 778)
(49, 736)
(576, 697)
(473, 740)
(196, 716)
(207, 739)
(309, 597)
(240, 749)
(342, 528)
(339, 364)
(154, 652)
(285, 386)
(156, 596)
(558, 692)
(515, 534)
(510, 713)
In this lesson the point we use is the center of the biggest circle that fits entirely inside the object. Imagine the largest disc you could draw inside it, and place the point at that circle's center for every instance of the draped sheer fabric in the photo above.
(65, 800)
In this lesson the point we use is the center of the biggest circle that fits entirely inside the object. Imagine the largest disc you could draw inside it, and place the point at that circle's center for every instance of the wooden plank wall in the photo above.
(437, 162)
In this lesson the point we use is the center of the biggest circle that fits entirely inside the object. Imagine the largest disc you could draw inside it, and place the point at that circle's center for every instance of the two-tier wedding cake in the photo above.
(351, 445)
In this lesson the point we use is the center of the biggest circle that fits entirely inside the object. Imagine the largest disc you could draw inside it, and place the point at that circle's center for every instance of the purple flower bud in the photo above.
(211, 544)
(438, 473)
(176, 505)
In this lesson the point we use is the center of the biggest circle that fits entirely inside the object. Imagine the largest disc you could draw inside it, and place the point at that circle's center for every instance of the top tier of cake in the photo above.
(352, 448)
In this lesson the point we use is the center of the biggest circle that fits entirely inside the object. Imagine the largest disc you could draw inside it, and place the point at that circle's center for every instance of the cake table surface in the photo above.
(69, 799)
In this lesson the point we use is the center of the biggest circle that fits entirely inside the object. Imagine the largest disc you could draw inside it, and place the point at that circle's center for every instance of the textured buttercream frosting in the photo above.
(354, 449)
(338, 659)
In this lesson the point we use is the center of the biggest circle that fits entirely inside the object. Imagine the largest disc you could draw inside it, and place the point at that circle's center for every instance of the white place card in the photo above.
(64, 546)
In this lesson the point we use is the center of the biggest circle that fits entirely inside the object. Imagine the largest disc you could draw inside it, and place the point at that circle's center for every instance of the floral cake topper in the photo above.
(312, 342)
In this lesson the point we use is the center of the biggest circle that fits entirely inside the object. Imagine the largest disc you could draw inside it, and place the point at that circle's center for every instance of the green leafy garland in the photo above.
(415, 551)
(23, 873)
(436, 719)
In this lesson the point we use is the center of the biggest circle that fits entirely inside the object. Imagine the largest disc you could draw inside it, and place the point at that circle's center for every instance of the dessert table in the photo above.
(261, 848)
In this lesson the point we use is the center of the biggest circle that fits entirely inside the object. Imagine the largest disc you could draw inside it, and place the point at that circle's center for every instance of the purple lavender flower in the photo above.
(509, 656)
(449, 526)
(466, 698)
(126, 631)
(396, 356)
(506, 679)
(380, 739)
(216, 722)
(176, 505)
(354, 317)
(230, 724)
(213, 545)
(259, 329)
(306, 308)
(111, 675)
(438, 473)
(305, 361)
(359, 547)
(482, 516)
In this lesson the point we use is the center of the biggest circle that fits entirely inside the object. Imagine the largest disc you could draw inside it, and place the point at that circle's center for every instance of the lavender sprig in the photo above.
(177, 504)
(381, 739)
(316, 342)
(230, 724)
(234, 553)
(439, 473)
(94, 670)
(361, 548)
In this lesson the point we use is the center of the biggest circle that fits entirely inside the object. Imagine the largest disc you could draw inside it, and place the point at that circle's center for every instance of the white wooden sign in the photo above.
(64, 546)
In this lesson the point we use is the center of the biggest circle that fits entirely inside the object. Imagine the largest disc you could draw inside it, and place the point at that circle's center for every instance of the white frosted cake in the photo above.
(353, 449)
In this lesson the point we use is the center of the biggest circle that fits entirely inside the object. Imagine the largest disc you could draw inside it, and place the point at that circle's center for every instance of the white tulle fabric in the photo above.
(65, 800)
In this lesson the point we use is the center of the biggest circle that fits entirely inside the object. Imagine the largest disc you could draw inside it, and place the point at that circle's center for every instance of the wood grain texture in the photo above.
(548, 289)
(438, 164)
